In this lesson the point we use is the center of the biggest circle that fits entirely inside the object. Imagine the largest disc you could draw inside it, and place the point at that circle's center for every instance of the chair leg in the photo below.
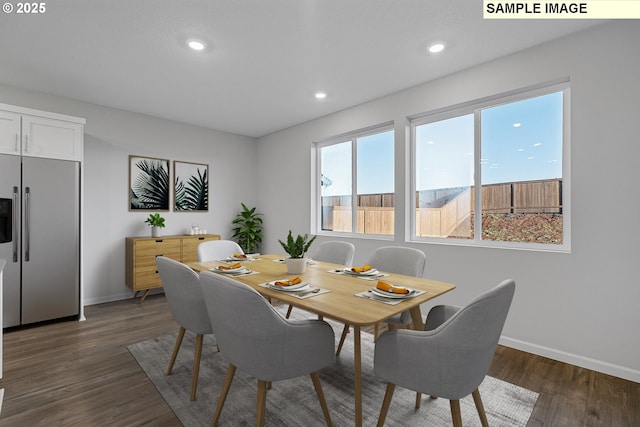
(418, 400)
(223, 393)
(196, 365)
(176, 348)
(262, 403)
(345, 331)
(388, 394)
(289, 311)
(376, 330)
(315, 378)
(480, 407)
(455, 413)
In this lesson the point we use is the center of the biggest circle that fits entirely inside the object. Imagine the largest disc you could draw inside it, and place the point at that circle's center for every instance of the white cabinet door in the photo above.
(53, 139)
(9, 133)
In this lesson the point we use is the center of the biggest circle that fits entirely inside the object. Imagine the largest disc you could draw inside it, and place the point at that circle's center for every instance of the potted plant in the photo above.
(248, 229)
(297, 250)
(156, 222)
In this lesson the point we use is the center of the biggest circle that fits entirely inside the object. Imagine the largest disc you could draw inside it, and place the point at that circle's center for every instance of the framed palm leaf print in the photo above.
(191, 186)
(148, 184)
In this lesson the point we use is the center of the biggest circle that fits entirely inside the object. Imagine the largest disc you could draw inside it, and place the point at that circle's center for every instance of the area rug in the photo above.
(294, 402)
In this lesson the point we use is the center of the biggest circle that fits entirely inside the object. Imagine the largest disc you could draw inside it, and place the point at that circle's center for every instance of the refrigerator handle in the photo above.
(27, 223)
(14, 223)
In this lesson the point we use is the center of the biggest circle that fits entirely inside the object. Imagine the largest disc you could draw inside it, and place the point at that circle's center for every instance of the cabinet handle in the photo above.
(159, 241)
(26, 143)
(14, 221)
(200, 238)
(17, 146)
(27, 222)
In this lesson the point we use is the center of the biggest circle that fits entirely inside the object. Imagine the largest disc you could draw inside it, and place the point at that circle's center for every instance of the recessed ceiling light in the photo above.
(320, 95)
(436, 47)
(196, 45)
(517, 125)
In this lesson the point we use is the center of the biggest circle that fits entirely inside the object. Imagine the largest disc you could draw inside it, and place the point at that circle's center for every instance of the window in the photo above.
(501, 159)
(357, 175)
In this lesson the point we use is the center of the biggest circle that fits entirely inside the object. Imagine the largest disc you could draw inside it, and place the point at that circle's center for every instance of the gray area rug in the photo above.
(294, 402)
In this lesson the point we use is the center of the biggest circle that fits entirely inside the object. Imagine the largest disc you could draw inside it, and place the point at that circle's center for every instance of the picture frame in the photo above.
(190, 186)
(148, 183)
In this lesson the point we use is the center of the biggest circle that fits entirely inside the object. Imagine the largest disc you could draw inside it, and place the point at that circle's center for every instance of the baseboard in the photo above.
(573, 359)
(116, 297)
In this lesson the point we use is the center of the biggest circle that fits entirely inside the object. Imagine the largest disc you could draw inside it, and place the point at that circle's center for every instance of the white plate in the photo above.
(230, 270)
(293, 288)
(386, 294)
(232, 258)
(371, 272)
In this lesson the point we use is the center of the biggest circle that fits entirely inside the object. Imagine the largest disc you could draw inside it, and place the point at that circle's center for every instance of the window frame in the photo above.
(475, 107)
(352, 137)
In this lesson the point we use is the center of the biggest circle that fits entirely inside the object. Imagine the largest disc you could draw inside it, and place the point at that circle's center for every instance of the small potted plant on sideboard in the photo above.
(156, 222)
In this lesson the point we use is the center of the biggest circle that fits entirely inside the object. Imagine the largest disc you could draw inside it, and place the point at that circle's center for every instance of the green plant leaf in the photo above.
(248, 230)
(297, 247)
(150, 190)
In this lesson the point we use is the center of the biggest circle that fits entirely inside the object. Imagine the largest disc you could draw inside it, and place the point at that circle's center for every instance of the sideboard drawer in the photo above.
(146, 252)
(190, 247)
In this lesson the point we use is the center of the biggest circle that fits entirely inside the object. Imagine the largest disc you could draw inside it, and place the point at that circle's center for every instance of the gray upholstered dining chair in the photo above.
(335, 252)
(451, 357)
(255, 338)
(184, 296)
(217, 250)
(398, 260)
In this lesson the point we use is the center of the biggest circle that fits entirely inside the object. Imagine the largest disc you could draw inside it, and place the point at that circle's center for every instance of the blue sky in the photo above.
(521, 141)
(375, 165)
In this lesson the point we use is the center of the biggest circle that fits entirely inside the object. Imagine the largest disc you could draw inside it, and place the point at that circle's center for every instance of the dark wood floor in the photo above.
(81, 374)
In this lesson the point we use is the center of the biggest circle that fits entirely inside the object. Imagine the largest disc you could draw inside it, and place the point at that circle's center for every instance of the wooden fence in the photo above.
(542, 196)
(440, 212)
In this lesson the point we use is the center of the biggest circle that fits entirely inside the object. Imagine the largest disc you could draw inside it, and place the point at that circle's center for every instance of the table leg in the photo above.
(357, 370)
(416, 316)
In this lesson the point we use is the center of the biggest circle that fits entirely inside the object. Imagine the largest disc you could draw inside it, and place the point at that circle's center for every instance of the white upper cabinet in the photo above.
(9, 132)
(34, 133)
(53, 139)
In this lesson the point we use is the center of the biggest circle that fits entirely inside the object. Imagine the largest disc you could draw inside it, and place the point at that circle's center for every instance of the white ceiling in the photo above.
(265, 58)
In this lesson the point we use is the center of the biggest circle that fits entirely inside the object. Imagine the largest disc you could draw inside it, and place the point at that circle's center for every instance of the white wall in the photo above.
(110, 137)
(580, 307)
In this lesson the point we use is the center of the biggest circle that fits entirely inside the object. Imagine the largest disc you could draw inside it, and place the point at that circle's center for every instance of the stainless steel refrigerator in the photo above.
(39, 238)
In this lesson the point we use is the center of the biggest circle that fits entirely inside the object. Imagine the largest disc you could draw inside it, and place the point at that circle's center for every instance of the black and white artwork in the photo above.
(148, 184)
(191, 189)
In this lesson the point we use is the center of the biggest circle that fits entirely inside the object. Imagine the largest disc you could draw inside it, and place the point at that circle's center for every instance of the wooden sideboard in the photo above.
(141, 252)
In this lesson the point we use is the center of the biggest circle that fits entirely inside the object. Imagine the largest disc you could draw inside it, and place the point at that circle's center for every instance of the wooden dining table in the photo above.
(337, 298)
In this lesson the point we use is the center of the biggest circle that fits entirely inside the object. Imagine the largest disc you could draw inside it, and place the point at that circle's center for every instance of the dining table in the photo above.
(335, 293)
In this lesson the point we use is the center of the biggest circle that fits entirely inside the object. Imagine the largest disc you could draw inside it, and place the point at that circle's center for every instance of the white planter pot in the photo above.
(156, 231)
(296, 265)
